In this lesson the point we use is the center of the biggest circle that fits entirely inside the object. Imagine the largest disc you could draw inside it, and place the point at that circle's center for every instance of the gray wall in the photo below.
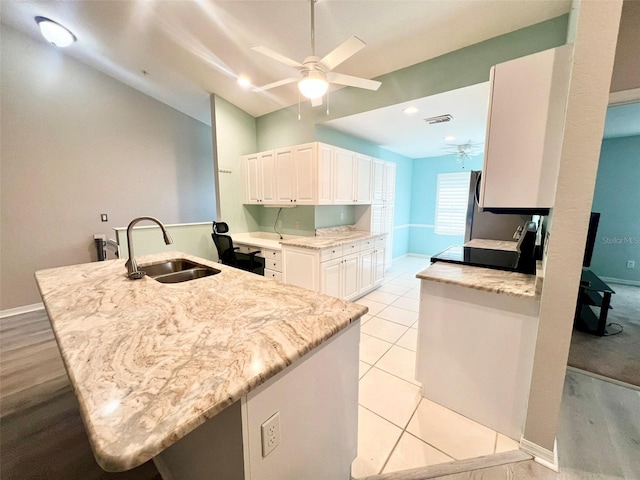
(76, 143)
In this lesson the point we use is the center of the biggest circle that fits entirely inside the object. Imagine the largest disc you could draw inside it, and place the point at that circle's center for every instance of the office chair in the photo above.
(229, 256)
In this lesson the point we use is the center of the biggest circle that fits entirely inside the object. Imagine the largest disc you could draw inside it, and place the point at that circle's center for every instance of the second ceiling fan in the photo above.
(314, 73)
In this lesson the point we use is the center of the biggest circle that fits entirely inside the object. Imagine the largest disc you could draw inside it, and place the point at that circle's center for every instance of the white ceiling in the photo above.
(411, 136)
(192, 48)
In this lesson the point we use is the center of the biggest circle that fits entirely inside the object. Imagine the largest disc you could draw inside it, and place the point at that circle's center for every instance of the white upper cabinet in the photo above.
(306, 169)
(325, 174)
(363, 179)
(344, 162)
(377, 181)
(524, 130)
(296, 175)
(259, 178)
(310, 174)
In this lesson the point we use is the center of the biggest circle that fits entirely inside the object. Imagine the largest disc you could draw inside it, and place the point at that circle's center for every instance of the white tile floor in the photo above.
(397, 428)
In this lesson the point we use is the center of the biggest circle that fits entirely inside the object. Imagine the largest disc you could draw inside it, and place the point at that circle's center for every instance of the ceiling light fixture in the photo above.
(244, 81)
(313, 84)
(410, 110)
(54, 33)
(449, 138)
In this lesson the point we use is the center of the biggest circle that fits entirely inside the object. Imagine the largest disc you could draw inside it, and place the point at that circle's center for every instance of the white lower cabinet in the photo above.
(318, 393)
(347, 271)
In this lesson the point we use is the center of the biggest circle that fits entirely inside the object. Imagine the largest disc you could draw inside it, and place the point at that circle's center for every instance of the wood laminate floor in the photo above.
(42, 436)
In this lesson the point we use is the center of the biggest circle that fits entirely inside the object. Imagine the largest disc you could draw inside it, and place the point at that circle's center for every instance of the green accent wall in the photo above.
(461, 68)
(267, 216)
(617, 197)
(234, 134)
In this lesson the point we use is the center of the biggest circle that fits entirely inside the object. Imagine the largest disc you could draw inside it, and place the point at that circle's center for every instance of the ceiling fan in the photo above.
(314, 73)
(464, 151)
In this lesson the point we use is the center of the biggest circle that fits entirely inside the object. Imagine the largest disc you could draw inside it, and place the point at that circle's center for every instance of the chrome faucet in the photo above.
(132, 265)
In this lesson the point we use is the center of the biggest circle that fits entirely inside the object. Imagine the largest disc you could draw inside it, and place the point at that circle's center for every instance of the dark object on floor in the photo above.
(593, 292)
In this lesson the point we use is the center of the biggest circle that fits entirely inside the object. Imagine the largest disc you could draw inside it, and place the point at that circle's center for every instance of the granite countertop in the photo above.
(150, 362)
(492, 244)
(328, 241)
(490, 280)
(257, 239)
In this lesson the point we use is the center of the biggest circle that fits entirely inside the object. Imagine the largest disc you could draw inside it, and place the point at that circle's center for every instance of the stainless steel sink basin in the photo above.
(178, 270)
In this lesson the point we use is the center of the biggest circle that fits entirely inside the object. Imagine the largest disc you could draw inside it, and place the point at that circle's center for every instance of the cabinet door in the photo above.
(325, 174)
(524, 130)
(344, 163)
(377, 183)
(268, 174)
(363, 179)
(253, 180)
(377, 218)
(350, 266)
(380, 257)
(301, 267)
(367, 270)
(331, 277)
(387, 219)
(306, 171)
(285, 176)
(389, 192)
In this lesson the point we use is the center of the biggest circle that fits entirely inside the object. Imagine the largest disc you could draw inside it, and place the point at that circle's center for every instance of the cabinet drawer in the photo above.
(275, 265)
(380, 242)
(349, 248)
(246, 248)
(271, 255)
(367, 244)
(273, 274)
(330, 253)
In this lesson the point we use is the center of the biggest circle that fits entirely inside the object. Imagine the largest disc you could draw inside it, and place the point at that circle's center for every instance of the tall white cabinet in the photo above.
(524, 130)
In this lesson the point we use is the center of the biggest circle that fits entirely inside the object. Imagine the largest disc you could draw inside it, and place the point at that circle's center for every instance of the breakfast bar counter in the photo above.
(476, 339)
(151, 362)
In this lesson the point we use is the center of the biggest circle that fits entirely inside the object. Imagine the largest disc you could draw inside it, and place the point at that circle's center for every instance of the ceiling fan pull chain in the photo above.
(327, 103)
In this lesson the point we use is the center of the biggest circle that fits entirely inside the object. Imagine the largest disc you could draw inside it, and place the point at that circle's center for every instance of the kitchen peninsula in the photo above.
(476, 337)
(187, 373)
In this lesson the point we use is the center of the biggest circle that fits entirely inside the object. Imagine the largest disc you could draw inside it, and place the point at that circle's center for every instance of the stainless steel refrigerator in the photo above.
(492, 226)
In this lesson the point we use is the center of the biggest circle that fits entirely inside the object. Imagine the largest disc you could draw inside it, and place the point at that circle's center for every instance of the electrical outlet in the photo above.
(103, 217)
(279, 223)
(270, 432)
(297, 224)
(631, 264)
(341, 215)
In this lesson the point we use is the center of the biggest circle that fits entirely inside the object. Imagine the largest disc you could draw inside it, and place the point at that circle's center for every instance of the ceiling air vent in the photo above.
(439, 119)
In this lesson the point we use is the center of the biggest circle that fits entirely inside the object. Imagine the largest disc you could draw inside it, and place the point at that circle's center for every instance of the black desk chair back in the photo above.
(229, 255)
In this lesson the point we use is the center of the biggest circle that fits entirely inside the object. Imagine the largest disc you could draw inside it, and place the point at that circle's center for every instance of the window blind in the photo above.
(452, 194)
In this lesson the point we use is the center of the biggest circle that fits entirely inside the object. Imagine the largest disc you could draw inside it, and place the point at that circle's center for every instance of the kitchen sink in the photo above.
(178, 270)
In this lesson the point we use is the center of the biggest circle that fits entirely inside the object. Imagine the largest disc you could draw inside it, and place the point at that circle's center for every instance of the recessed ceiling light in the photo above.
(244, 82)
(449, 138)
(54, 33)
(410, 110)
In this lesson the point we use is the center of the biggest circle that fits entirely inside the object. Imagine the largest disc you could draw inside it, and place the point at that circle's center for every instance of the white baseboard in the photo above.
(20, 310)
(540, 454)
(620, 281)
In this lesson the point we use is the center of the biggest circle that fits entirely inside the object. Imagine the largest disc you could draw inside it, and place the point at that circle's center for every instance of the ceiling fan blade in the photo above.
(349, 81)
(276, 84)
(276, 56)
(343, 51)
(316, 102)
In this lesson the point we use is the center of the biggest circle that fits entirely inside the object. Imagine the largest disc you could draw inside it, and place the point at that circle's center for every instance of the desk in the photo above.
(593, 292)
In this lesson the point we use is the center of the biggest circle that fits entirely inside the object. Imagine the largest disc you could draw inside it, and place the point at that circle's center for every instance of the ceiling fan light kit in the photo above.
(313, 84)
(315, 74)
